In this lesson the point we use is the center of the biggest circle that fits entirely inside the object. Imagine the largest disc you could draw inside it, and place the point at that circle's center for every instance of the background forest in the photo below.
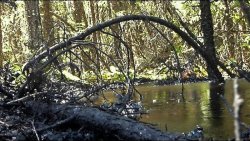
(28, 26)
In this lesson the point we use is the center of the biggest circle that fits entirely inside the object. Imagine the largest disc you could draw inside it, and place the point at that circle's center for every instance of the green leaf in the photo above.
(236, 3)
(178, 49)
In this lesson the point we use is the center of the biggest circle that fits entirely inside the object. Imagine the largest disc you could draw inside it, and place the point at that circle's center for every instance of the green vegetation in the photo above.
(153, 56)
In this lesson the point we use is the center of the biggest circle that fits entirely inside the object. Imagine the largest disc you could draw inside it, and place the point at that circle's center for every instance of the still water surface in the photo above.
(202, 106)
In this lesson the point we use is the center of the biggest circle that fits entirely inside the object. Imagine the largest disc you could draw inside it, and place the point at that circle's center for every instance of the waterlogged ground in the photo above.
(202, 106)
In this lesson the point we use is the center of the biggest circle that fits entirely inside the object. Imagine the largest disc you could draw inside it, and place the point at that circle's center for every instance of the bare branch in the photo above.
(237, 104)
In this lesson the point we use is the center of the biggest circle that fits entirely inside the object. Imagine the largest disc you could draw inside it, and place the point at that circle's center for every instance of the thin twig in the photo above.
(26, 97)
(237, 105)
(6, 124)
(232, 113)
(34, 129)
(57, 124)
(175, 52)
(227, 104)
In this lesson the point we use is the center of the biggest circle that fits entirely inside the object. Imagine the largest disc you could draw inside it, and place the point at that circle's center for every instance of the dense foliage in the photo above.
(153, 55)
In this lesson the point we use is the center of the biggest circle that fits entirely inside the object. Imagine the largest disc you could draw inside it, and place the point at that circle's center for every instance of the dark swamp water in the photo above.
(202, 106)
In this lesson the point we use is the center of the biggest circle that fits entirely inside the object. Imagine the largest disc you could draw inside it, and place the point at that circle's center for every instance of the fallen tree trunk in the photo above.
(121, 127)
(114, 126)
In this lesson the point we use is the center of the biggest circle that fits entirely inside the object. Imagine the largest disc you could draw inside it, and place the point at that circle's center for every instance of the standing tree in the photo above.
(1, 37)
(47, 23)
(207, 29)
(33, 23)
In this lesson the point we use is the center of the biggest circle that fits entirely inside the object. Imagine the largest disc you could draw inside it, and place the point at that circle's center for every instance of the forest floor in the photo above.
(39, 118)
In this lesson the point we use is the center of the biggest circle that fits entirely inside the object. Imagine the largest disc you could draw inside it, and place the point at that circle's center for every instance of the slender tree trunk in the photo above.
(92, 8)
(84, 17)
(79, 17)
(109, 8)
(48, 23)
(94, 53)
(34, 24)
(116, 8)
(1, 38)
(78, 12)
(207, 29)
(13, 39)
(229, 34)
(104, 64)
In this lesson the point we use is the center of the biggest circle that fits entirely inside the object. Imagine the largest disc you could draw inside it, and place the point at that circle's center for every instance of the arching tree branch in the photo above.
(98, 27)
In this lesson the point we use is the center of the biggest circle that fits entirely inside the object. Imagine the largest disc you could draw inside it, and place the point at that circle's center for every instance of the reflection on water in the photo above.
(201, 106)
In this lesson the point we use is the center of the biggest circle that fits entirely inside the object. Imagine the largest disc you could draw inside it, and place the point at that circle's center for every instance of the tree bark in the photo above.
(78, 10)
(230, 39)
(34, 24)
(113, 125)
(207, 29)
(246, 10)
(1, 38)
(94, 53)
(48, 30)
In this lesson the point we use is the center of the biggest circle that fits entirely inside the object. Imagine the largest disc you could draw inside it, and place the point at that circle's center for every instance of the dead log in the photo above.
(120, 127)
